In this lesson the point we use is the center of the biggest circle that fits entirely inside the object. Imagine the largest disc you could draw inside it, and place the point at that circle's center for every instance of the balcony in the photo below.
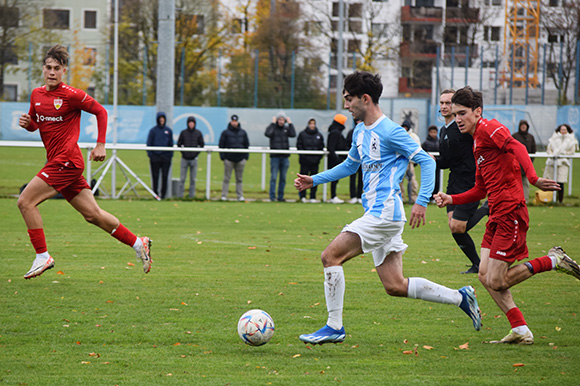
(461, 15)
(427, 49)
(421, 14)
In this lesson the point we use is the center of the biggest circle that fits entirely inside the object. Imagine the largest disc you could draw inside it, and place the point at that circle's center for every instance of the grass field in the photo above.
(96, 319)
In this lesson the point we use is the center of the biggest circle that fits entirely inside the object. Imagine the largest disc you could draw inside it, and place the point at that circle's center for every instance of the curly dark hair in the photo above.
(361, 82)
(58, 53)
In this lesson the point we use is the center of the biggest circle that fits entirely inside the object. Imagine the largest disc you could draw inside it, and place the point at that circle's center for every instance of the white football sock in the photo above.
(138, 244)
(521, 329)
(334, 292)
(424, 289)
(42, 257)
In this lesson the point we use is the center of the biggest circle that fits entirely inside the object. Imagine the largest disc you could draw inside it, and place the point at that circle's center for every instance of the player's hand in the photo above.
(417, 216)
(546, 184)
(24, 121)
(303, 182)
(442, 199)
(98, 153)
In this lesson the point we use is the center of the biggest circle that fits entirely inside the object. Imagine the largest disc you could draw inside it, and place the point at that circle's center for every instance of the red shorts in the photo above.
(68, 180)
(506, 236)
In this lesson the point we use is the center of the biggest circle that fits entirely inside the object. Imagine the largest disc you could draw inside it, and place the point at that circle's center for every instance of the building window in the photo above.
(200, 23)
(56, 18)
(90, 21)
(378, 29)
(312, 28)
(90, 56)
(491, 34)
(353, 46)
(555, 38)
(12, 16)
(10, 56)
(355, 27)
(355, 10)
(195, 23)
(10, 92)
(553, 3)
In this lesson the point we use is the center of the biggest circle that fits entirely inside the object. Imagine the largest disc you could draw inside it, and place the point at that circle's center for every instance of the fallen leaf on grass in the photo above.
(518, 365)
(558, 328)
(85, 363)
(251, 247)
(296, 356)
(497, 316)
(177, 344)
(109, 301)
(131, 264)
(428, 347)
(78, 342)
(407, 352)
(292, 283)
(314, 305)
(94, 354)
(464, 346)
(184, 303)
(60, 273)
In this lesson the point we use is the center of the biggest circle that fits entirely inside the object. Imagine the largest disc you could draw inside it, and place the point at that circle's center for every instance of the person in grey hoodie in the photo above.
(160, 135)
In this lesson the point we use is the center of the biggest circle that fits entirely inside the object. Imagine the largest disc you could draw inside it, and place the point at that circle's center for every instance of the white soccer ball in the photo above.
(256, 327)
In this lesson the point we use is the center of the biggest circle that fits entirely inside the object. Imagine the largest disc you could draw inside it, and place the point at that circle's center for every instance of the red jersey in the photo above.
(498, 157)
(57, 114)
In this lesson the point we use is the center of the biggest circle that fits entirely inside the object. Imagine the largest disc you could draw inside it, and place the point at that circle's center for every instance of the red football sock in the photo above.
(124, 235)
(541, 264)
(38, 240)
(516, 317)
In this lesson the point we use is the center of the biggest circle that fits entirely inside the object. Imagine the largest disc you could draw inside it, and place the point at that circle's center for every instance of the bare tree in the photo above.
(563, 27)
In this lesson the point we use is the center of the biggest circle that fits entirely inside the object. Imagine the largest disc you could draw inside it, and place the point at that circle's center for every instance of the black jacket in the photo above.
(160, 136)
(279, 137)
(456, 154)
(336, 142)
(310, 140)
(234, 138)
(430, 144)
(526, 139)
(190, 138)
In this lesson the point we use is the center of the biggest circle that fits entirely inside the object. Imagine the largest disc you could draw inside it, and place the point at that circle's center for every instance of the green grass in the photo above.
(96, 320)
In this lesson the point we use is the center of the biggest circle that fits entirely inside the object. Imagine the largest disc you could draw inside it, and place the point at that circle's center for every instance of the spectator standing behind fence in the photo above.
(524, 137)
(561, 143)
(234, 137)
(309, 139)
(336, 142)
(190, 137)
(279, 131)
(356, 180)
(412, 184)
(431, 145)
(160, 135)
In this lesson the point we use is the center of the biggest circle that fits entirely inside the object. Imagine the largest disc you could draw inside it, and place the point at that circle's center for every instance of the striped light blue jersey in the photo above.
(383, 150)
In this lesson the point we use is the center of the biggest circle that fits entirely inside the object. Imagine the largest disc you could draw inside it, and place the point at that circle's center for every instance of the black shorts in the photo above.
(463, 212)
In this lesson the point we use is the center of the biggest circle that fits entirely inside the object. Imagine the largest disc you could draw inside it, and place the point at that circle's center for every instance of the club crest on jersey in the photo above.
(57, 103)
(375, 147)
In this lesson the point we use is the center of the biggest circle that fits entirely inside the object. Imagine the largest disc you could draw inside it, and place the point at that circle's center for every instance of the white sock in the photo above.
(138, 244)
(554, 261)
(42, 256)
(521, 329)
(334, 292)
(424, 289)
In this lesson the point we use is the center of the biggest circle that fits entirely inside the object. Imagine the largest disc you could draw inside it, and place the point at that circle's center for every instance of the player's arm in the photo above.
(25, 121)
(88, 104)
(477, 193)
(521, 154)
(427, 165)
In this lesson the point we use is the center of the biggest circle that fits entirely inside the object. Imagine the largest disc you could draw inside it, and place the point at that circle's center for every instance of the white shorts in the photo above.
(378, 236)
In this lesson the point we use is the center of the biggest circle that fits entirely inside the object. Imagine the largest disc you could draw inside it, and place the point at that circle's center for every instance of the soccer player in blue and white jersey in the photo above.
(383, 149)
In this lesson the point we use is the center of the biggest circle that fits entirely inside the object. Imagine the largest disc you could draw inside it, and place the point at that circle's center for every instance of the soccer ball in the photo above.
(256, 327)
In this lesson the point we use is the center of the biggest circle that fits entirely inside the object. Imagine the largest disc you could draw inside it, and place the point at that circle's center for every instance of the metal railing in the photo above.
(253, 149)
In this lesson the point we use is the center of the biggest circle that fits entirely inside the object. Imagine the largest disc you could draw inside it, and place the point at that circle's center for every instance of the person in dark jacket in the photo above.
(279, 131)
(234, 137)
(356, 180)
(190, 137)
(431, 145)
(309, 139)
(456, 154)
(336, 142)
(524, 137)
(160, 135)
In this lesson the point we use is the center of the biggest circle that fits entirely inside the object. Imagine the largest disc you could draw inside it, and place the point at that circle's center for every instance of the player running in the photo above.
(456, 154)
(383, 149)
(55, 110)
(498, 157)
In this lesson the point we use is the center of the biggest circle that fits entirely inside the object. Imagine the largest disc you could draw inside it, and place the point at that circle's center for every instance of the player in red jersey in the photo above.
(55, 110)
(498, 157)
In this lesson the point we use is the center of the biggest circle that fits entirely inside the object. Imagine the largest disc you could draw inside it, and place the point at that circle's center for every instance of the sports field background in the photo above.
(96, 319)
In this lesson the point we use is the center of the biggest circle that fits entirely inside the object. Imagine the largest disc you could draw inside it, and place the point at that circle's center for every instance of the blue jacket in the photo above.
(160, 135)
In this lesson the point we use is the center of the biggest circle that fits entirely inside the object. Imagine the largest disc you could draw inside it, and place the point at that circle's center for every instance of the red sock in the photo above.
(124, 235)
(541, 264)
(38, 240)
(516, 317)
